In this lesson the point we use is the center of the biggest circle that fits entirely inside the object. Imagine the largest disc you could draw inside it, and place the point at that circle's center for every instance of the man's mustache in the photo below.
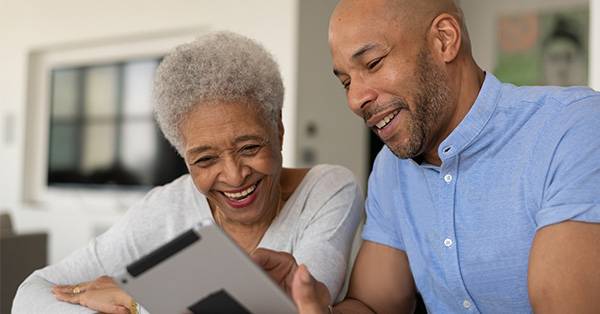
(376, 108)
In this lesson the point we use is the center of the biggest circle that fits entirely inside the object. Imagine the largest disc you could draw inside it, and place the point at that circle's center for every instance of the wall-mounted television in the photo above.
(101, 129)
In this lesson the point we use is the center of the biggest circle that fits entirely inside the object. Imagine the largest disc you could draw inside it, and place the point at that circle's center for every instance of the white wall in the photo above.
(482, 17)
(28, 25)
(341, 137)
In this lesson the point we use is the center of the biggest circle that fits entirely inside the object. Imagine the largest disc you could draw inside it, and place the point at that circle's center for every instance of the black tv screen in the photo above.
(102, 132)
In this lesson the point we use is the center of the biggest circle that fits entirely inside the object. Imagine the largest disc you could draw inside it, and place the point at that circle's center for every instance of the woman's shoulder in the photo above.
(325, 191)
(163, 213)
(178, 196)
(325, 176)
(324, 181)
(330, 175)
(176, 190)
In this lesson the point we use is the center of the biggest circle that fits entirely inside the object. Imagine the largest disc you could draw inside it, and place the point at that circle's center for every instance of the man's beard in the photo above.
(431, 97)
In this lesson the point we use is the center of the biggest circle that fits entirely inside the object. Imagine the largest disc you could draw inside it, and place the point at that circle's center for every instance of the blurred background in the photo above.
(77, 141)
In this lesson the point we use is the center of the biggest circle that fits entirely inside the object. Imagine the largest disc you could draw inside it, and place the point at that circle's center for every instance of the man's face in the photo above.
(390, 78)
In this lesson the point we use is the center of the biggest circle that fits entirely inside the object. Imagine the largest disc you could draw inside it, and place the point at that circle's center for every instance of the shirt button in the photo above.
(448, 178)
(448, 242)
(466, 304)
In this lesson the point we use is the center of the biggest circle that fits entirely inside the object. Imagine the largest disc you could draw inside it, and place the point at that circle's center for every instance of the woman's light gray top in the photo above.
(316, 225)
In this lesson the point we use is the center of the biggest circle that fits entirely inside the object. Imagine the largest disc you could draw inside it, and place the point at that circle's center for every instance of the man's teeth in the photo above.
(385, 120)
(242, 194)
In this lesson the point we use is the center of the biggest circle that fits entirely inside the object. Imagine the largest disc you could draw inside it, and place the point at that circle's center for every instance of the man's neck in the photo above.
(469, 84)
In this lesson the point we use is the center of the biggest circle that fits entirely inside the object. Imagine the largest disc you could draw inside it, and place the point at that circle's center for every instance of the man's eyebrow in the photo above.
(360, 51)
(357, 54)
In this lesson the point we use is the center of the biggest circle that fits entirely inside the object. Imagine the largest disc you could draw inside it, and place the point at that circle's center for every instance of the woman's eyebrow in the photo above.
(198, 149)
(243, 138)
(248, 137)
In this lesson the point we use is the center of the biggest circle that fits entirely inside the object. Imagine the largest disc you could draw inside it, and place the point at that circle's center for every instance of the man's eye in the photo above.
(346, 84)
(373, 63)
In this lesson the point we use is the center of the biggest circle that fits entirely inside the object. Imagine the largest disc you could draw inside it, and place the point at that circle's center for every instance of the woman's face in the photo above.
(234, 158)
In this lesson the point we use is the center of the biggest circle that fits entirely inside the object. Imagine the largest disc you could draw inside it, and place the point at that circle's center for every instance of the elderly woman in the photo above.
(218, 101)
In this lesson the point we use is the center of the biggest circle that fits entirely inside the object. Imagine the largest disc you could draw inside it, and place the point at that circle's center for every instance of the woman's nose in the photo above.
(234, 172)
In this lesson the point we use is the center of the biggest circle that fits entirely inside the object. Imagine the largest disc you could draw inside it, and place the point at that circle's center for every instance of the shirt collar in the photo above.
(475, 120)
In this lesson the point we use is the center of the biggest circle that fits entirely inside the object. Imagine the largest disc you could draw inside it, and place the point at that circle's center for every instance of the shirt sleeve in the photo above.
(379, 226)
(572, 182)
(105, 255)
(335, 208)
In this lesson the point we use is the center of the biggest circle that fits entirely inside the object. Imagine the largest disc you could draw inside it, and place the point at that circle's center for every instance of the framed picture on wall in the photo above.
(544, 48)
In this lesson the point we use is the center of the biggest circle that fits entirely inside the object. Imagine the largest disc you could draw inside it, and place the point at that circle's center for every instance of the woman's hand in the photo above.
(101, 295)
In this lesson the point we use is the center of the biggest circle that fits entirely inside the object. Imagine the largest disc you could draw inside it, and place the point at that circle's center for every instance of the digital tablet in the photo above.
(202, 271)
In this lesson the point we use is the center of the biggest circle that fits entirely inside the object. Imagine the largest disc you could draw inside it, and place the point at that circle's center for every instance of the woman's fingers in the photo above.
(102, 282)
(73, 289)
(108, 300)
(101, 295)
(67, 296)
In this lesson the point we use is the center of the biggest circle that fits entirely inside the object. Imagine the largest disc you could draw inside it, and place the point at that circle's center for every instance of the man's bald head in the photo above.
(411, 16)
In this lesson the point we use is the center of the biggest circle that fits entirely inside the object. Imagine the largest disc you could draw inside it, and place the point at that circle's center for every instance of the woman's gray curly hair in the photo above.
(220, 66)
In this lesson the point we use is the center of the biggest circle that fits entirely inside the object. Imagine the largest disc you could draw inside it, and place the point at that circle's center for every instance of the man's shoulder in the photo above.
(570, 107)
(547, 95)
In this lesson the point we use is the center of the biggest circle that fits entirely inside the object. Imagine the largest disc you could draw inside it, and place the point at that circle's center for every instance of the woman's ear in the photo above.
(447, 37)
(281, 132)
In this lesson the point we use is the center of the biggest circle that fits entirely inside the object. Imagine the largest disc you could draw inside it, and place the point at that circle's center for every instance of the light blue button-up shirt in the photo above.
(522, 158)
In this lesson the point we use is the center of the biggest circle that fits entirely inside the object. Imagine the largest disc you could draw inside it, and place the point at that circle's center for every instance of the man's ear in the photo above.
(447, 37)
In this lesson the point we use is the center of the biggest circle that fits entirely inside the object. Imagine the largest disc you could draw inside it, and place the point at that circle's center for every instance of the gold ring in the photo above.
(77, 290)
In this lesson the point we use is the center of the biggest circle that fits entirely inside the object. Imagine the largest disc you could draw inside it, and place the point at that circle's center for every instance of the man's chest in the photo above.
(468, 235)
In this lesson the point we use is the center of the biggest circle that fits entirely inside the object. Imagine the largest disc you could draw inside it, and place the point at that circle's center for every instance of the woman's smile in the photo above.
(242, 197)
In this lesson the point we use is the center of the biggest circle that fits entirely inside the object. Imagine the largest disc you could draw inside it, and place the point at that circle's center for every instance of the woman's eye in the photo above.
(205, 161)
(249, 150)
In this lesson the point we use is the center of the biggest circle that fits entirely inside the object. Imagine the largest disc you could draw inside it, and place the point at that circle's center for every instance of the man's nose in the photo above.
(359, 96)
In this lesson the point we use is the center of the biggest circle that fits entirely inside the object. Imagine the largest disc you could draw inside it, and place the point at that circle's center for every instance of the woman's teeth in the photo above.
(242, 194)
(386, 120)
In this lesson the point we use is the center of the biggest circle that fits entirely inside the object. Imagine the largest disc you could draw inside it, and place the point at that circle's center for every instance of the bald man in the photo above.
(486, 198)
